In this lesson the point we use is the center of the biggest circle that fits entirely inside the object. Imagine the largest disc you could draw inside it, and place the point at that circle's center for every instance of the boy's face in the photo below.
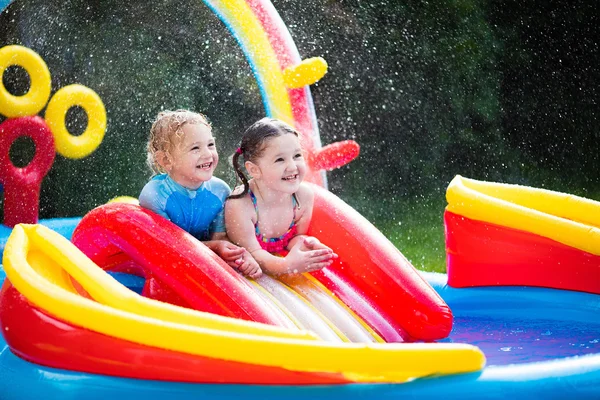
(194, 157)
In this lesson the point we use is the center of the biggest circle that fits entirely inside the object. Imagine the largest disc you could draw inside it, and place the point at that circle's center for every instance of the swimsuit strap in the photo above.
(275, 245)
(295, 204)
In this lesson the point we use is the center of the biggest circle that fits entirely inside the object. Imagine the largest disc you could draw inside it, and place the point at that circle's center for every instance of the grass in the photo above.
(419, 236)
(415, 227)
(423, 245)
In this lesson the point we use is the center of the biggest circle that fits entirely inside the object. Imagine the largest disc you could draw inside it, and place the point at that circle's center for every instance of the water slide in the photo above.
(54, 291)
(373, 292)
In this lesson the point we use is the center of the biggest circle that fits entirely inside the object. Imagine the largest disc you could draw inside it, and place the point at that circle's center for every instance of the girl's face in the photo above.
(194, 157)
(282, 166)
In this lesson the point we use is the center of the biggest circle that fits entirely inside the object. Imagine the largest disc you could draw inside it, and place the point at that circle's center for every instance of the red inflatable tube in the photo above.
(370, 264)
(117, 235)
(371, 314)
(484, 254)
(371, 276)
(22, 185)
(43, 339)
(334, 155)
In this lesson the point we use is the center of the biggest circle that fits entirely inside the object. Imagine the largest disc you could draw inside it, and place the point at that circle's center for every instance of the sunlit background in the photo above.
(502, 91)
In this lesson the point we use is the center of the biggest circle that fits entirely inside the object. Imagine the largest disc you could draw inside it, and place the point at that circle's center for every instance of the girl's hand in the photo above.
(236, 257)
(308, 255)
(312, 243)
(248, 266)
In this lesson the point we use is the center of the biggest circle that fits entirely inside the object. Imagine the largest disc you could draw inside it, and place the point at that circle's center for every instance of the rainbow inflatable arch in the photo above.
(123, 303)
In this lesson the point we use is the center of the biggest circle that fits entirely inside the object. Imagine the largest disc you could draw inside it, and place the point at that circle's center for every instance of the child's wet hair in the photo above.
(167, 130)
(254, 142)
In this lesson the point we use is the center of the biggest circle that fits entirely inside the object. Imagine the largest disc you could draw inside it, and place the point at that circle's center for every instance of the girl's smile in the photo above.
(291, 178)
(281, 167)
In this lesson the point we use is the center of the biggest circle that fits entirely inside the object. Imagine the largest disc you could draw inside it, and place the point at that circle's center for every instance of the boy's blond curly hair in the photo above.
(166, 132)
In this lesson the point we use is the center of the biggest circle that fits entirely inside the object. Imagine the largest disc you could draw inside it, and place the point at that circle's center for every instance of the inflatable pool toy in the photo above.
(83, 145)
(35, 99)
(72, 329)
(42, 267)
(538, 342)
(21, 186)
(499, 234)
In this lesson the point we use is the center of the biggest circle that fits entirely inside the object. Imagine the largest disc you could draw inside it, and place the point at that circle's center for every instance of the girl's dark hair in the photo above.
(254, 143)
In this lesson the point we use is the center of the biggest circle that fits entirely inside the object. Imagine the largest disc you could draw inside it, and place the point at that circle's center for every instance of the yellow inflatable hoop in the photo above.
(35, 99)
(70, 96)
(307, 72)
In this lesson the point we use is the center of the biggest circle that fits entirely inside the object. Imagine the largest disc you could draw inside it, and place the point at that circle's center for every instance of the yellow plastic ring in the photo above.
(70, 96)
(124, 199)
(35, 99)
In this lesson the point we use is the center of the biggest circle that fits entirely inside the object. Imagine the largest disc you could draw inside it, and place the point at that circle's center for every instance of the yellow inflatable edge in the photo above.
(155, 324)
(565, 218)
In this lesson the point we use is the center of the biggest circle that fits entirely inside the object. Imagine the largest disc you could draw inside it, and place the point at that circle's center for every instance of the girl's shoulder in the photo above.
(239, 206)
(239, 190)
(305, 192)
(305, 197)
(240, 202)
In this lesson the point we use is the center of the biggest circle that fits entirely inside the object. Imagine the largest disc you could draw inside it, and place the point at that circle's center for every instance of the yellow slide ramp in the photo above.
(41, 264)
(565, 218)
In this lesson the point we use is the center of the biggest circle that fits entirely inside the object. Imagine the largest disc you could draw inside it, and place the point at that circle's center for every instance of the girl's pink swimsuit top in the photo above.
(279, 244)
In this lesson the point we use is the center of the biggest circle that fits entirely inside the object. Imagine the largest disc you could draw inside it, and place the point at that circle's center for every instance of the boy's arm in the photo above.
(151, 199)
(235, 256)
(219, 236)
(220, 244)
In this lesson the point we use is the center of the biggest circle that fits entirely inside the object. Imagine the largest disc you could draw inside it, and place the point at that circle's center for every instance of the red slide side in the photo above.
(381, 279)
(371, 276)
(39, 337)
(177, 267)
(486, 254)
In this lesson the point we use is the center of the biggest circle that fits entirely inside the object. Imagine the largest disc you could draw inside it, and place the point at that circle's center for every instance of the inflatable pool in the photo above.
(122, 303)
(538, 342)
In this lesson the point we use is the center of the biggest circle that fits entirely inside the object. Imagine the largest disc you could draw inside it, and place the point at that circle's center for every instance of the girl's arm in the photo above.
(306, 198)
(240, 229)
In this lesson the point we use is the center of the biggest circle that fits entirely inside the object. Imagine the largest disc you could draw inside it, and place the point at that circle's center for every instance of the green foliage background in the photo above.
(496, 90)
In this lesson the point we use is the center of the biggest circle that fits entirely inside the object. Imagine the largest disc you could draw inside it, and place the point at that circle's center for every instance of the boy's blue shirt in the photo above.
(199, 212)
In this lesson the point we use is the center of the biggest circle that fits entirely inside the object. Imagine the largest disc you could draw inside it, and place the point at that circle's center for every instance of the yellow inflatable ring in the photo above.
(35, 99)
(70, 96)
(124, 199)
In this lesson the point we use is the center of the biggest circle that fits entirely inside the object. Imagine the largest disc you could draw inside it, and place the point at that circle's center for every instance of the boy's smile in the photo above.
(194, 157)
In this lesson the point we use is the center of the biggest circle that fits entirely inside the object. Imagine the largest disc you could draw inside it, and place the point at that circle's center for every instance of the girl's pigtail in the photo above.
(240, 174)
